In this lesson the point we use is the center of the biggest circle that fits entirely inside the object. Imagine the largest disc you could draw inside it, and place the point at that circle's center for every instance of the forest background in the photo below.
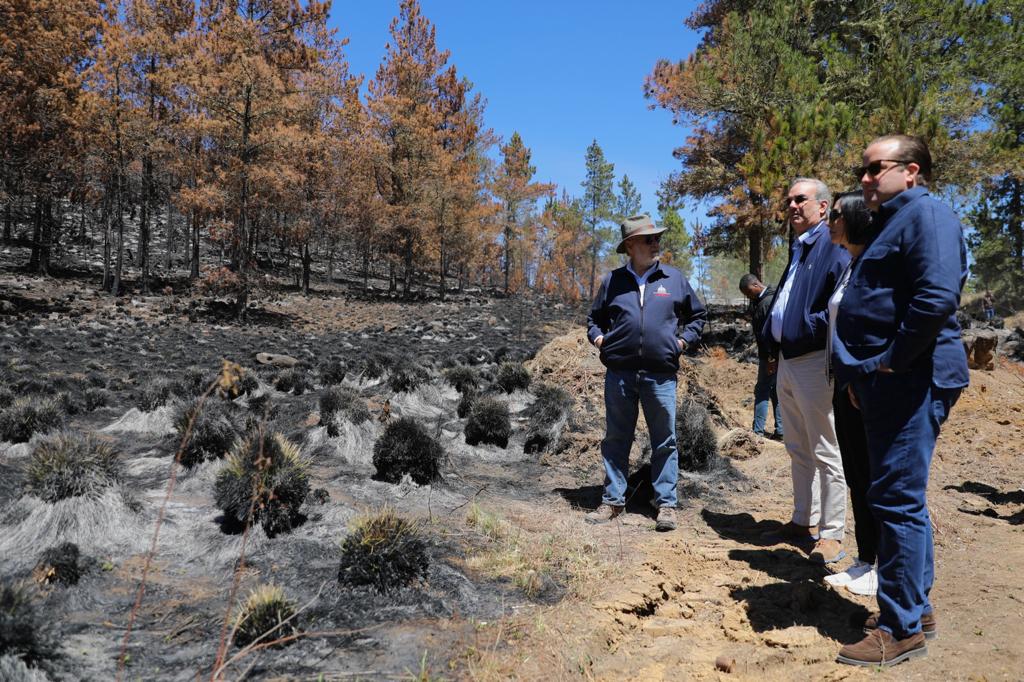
(173, 134)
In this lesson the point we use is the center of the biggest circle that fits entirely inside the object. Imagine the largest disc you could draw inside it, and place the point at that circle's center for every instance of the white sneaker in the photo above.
(856, 570)
(866, 585)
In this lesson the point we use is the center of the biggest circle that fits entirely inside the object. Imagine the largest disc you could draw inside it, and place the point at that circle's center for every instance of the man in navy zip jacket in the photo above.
(797, 329)
(644, 316)
(898, 350)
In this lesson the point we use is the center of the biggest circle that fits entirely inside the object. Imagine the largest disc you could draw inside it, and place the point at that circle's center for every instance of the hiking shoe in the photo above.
(603, 514)
(792, 532)
(865, 585)
(666, 519)
(928, 626)
(854, 572)
(775, 436)
(881, 649)
(827, 551)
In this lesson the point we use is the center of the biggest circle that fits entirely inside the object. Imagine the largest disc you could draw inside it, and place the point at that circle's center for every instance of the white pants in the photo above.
(819, 488)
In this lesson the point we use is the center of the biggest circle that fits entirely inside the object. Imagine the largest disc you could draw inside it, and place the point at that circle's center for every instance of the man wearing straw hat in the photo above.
(644, 316)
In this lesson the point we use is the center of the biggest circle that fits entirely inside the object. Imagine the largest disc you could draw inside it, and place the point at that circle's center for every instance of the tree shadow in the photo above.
(782, 605)
(742, 528)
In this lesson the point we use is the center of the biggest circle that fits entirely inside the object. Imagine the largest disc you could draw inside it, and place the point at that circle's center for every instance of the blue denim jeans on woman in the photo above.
(902, 415)
(624, 392)
(764, 390)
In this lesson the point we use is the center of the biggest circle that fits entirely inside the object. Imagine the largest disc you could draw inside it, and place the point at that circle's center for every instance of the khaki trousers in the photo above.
(819, 489)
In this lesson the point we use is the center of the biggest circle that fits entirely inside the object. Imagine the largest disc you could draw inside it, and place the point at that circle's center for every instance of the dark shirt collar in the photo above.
(886, 210)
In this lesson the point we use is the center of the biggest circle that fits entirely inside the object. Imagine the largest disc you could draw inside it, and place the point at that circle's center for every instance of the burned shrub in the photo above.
(157, 393)
(383, 551)
(405, 447)
(332, 372)
(23, 632)
(465, 405)
(268, 475)
(13, 669)
(267, 615)
(213, 431)
(318, 496)
(547, 416)
(462, 378)
(72, 465)
(26, 416)
(96, 398)
(512, 376)
(488, 423)
(292, 380)
(405, 375)
(341, 402)
(698, 447)
(6, 396)
(58, 565)
(195, 381)
(247, 384)
(67, 404)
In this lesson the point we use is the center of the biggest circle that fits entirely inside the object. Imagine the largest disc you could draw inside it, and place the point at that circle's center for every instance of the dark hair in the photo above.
(912, 149)
(856, 217)
(748, 280)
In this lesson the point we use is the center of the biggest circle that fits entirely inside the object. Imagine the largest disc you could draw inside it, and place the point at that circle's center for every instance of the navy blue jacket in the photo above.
(645, 337)
(899, 308)
(805, 323)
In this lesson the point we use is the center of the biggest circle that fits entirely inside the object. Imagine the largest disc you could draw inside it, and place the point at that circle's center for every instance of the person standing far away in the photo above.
(644, 316)
(797, 331)
(760, 297)
(898, 348)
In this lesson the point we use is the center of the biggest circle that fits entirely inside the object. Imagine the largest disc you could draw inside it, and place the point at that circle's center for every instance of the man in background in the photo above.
(760, 297)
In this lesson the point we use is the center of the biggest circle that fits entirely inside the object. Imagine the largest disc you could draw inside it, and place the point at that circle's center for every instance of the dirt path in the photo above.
(673, 603)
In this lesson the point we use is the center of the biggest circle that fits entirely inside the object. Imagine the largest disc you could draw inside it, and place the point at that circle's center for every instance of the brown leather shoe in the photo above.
(928, 627)
(666, 519)
(792, 532)
(827, 551)
(881, 649)
(603, 514)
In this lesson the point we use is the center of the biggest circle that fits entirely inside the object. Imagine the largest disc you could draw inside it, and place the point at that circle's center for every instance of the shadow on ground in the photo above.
(994, 496)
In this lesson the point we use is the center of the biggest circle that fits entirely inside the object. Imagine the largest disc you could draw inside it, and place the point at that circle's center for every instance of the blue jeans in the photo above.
(902, 415)
(623, 391)
(764, 390)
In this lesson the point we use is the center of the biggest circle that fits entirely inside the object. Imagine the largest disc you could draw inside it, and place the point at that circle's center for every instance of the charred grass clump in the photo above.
(405, 447)
(465, 405)
(26, 416)
(59, 564)
(462, 378)
(213, 431)
(292, 380)
(512, 376)
(698, 447)
(267, 475)
(332, 372)
(341, 402)
(95, 398)
(72, 465)
(405, 375)
(383, 551)
(548, 415)
(266, 616)
(488, 422)
(24, 633)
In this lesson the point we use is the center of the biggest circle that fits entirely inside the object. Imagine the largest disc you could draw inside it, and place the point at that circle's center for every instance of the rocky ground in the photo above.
(518, 586)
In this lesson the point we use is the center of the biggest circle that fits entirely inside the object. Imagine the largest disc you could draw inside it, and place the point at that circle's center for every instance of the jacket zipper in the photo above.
(640, 296)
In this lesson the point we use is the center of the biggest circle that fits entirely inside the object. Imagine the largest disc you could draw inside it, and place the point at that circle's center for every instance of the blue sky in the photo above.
(561, 72)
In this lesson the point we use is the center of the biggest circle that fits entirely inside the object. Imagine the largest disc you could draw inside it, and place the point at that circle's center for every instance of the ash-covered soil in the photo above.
(517, 585)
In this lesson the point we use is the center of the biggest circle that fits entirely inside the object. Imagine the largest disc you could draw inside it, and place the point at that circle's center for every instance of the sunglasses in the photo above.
(874, 169)
(652, 239)
(799, 200)
(833, 214)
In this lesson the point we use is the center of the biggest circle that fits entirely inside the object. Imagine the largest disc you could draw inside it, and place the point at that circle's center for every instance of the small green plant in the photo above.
(462, 378)
(384, 551)
(488, 422)
(405, 447)
(26, 416)
(268, 475)
(71, 465)
(267, 615)
(23, 631)
(512, 376)
(213, 431)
